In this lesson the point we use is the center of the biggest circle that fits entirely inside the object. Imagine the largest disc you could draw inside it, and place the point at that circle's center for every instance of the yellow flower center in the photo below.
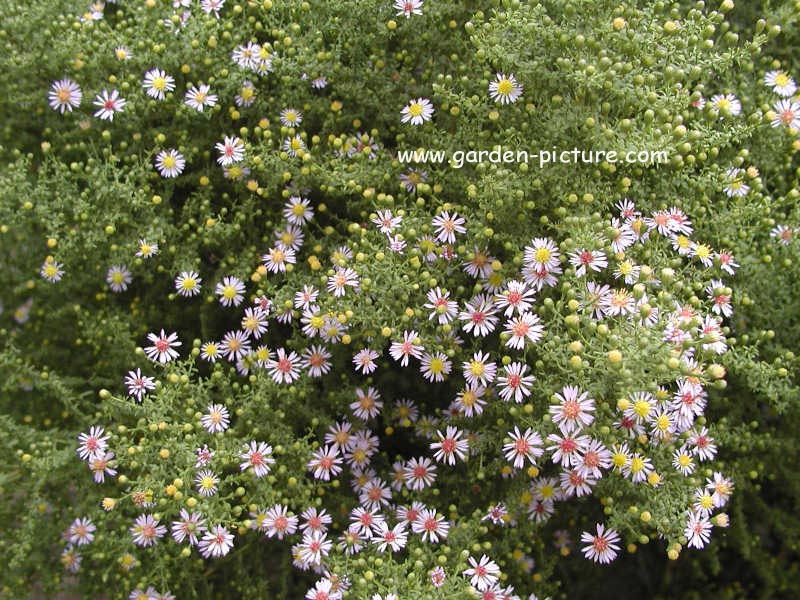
(437, 365)
(641, 408)
(505, 87)
(415, 110)
(542, 255)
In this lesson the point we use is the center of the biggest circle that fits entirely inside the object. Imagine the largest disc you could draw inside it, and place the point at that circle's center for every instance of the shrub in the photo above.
(294, 360)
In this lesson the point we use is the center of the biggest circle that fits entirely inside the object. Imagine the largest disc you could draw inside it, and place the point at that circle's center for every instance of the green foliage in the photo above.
(82, 194)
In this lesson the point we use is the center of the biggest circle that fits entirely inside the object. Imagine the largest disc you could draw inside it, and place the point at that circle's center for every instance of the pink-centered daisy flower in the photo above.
(138, 384)
(478, 316)
(162, 350)
(278, 522)
(231, 150)
(109, 104)
(410, 346)
(483, 573)
(602, 547)
(284, 368)
(442, 308)
(451, 446)
(258, 456)
(93, 442)
(420, 473)
(99, 466)
(325, 463)
(146, 531)
(188, 527)
(406, 8)
(514, 383)
(367, 405)
(430, 526)
(527, 445)
(216, 541)
(573, 411)
(523, 328)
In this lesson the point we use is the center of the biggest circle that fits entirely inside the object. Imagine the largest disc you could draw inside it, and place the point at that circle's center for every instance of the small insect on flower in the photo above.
(51, 270)
(170, 163)
(64, 95)
(109, 104)
(505, 89)
(163, 346)
(417, 112)
(138, 384)
(118, 277)
(198, 97)
(406, 8)
(157, 83)
(187, 284)
(217, 419)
